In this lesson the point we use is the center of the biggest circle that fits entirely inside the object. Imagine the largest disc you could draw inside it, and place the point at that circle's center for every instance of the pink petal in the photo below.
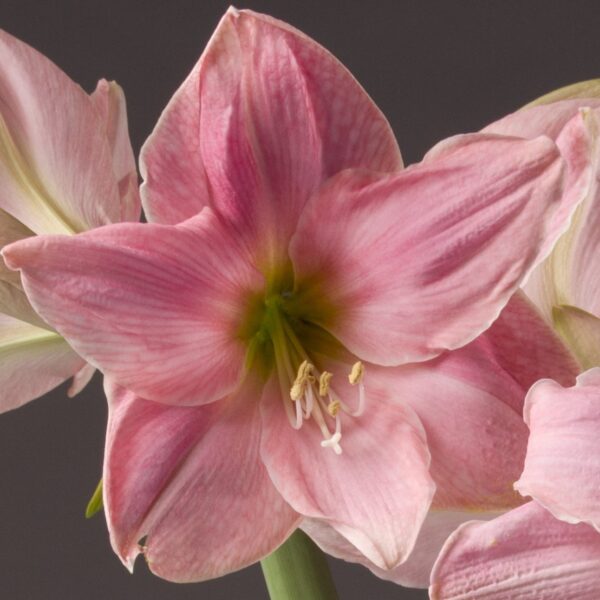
(569, 275)
(33, 360)
(80, 380)
(575, 261)
(581, 331)
(423, 261)
(415, 571)
(524, 554)
(263, 119)
(526, 347)
(191, 480)
(57, 163)
(375, 494)
(562, 468)
(476, 439)
(547, 119)
(109, 99)
(158, 307)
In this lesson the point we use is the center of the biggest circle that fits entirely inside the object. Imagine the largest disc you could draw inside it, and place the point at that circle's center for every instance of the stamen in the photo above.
(357, 372)
(356, 378)
(324, 383)
(303, 378)
(333, 408)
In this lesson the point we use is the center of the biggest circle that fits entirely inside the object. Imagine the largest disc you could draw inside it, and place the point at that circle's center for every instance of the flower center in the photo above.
(306, 392)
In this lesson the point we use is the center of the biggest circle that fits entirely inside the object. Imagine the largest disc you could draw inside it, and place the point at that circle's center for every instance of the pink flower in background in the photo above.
(565, 287)
(248, 332)
(66, 165)
(550, 547)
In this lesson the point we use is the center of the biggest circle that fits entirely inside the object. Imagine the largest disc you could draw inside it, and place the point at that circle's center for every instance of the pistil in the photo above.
(306, 392)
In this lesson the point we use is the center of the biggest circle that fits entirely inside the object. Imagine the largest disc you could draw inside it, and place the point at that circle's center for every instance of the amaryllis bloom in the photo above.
(550, 547)
(247, 333)
(66, 165)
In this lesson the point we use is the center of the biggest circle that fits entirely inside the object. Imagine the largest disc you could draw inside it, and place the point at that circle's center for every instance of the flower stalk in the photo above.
(298, 570)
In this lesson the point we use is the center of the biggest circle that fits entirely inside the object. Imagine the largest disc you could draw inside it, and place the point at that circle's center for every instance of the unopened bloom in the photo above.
(66, 165)
(246, 330)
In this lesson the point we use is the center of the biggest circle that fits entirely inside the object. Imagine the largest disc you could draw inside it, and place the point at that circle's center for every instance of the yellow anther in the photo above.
(357, 372)
(303, 378)
(297, 390)
(333, 408)
(304, 370)
(324, 383)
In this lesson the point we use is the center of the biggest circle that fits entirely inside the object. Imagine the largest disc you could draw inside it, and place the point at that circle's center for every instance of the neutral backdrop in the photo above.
(435, 69)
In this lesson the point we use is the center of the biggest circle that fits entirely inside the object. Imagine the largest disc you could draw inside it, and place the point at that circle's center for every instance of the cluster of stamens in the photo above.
(313, 396)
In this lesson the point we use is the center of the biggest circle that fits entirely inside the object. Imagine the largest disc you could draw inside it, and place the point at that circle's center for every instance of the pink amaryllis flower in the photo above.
(66, 165)
(549, 547)
(247, 332)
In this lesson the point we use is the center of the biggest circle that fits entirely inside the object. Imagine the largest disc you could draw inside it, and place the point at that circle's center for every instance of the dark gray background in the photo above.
(435, 68)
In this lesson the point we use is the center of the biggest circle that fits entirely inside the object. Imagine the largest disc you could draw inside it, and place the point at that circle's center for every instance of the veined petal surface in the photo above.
(375, 494)
(191, 480)
(155, 306)
(419, 262)
(56, 173)
(416, 570)
(525, 554)
(264, 118)
(109, 100)
(562, 468)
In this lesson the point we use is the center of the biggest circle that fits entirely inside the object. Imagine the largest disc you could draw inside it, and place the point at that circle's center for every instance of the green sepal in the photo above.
(95, 504)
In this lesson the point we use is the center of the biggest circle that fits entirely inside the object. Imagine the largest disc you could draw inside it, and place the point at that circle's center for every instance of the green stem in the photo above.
(298, 570)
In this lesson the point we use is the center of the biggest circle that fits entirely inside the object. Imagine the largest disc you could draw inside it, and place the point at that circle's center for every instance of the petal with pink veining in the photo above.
(33, 360)
(568, 276)
(476, 438)
(416, 570)
(109, 99)
(546, 119)
(156, 306)
(412, 264)
(56, 171)
(562, 468)
(522, 555)
(375, 494)
(263, 119)
(191, 480)
(526, 347)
